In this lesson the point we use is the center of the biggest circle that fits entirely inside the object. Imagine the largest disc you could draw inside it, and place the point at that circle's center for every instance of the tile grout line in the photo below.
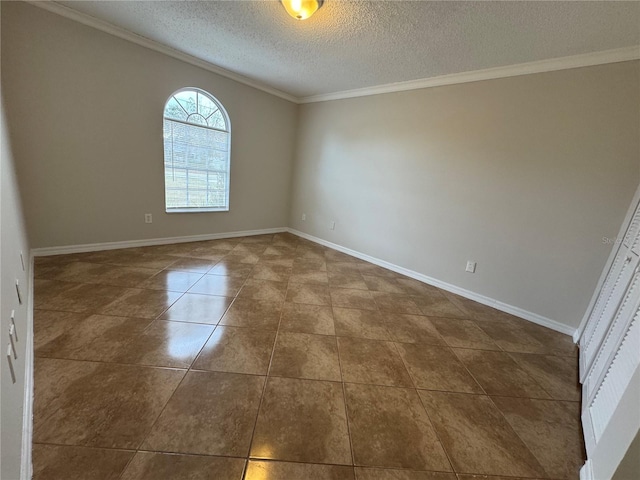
(415, 389)
(344, 396)
(266, 381)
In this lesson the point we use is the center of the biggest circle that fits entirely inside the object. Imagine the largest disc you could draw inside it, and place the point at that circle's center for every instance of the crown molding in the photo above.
(562, 63)
(111, 29)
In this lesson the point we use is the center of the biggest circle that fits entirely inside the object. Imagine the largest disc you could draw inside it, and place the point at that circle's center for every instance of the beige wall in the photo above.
(523, 175)
(85, 114)
(13, 240)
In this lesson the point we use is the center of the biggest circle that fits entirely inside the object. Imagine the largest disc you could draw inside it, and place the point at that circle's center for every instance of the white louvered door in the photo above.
(610, 340)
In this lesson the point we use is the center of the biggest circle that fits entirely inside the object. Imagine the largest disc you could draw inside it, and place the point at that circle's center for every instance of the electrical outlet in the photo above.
(332, 226)
(304, 217)
(148, 218)
(471, 266)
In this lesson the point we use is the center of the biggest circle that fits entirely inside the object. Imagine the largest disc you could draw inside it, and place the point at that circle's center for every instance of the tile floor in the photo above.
(271, 357)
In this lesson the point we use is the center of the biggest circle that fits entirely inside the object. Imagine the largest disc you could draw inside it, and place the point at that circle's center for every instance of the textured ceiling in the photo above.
(355, 44)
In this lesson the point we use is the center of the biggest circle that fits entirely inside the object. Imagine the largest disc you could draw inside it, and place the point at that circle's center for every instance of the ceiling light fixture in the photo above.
(301, 9)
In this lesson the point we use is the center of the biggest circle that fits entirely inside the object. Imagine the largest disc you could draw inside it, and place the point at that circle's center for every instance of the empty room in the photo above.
(320, 240)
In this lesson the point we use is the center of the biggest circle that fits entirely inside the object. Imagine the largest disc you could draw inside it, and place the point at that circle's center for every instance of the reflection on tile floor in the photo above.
(271, 357)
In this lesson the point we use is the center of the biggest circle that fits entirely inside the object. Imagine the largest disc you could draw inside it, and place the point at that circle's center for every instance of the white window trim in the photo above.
(224, 113)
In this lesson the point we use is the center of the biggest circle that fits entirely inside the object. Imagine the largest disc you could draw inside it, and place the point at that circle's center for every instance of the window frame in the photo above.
(225, 116)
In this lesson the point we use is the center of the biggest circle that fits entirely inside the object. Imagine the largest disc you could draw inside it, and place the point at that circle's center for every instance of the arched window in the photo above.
(197, 144)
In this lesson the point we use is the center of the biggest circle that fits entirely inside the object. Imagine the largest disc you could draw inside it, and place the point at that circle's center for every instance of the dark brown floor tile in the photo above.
(499, 374)
(274, 251)
(155, 466)
(463, 334)
(49, 325)
(437, 305)
(302, 421)
(238, 350)
(557, 343)
(261, 238)
(98, 404)
(371, 269)
(285, 238)
(412, 329)
(383, 284)
(96, 337)
(129, 257)
(307, 319)
(53, 462)
(390, 302)
(238, 257)
(196, 308)
(263, 290)
(284, 260)
(349, 268)
(352, 298)
(307, 255)
(476, 436)
(554, 437)
(347, 280)
(46, 290)
(77, 297)
(194, 265)
(246, 249)
(208, 254)
(173, 249)
(223, 244)
(492, 477)
(416, 287)
(351, 322)
(82, 272)
(259, 314)
(231, 269)
(264, 470)
(308, 294)
(277, 261)
(308, 266)
(277, 273)
(202, 254)
(389, 428)
(302, 355)
(48, 268)
(319, 278)
(475, 310)
(171, 280)
(165, 344)
(437, 368)
(557, 375)
(335, 256)
(511, 336)
(141, 303)
(393, 474)
(218, 285)
(371, 361)
(211, 413)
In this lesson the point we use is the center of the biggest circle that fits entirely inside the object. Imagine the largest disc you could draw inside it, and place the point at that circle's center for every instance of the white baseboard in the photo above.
(518, 312)
(95, 247)
(26, 466)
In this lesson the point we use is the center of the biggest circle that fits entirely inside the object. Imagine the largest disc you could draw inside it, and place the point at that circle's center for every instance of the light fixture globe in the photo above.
(301, 9)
